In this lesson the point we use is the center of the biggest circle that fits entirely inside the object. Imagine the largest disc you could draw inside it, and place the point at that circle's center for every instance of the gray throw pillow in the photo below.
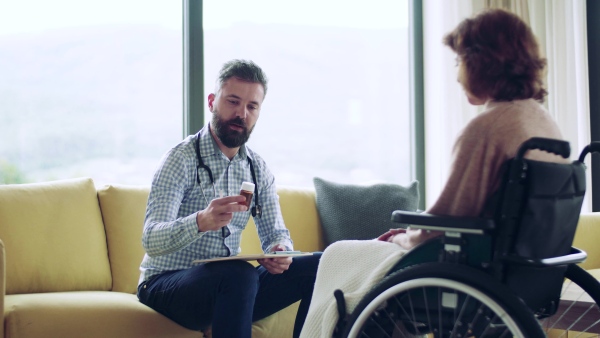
(351, 211)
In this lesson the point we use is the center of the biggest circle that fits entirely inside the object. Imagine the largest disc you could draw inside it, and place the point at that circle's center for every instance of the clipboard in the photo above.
(251, 257)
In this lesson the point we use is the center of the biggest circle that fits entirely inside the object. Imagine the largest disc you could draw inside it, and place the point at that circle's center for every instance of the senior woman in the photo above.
(499, 67)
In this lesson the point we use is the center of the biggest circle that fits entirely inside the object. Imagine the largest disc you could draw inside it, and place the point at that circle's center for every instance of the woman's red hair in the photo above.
(501, 57)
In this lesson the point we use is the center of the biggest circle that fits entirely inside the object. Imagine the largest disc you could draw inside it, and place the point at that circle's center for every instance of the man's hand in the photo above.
(276, 265)
(219, 212)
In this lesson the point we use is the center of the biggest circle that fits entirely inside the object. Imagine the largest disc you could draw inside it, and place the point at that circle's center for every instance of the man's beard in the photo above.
(230, 138)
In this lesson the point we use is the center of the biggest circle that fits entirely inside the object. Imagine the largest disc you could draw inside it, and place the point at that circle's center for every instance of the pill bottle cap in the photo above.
(248, 186)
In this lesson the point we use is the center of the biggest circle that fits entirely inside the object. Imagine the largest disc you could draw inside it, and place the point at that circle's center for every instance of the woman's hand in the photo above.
(407, 238)
(398, 236)
(390, 234)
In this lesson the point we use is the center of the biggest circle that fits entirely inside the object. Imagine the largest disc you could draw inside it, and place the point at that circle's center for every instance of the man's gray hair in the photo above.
(244, 70)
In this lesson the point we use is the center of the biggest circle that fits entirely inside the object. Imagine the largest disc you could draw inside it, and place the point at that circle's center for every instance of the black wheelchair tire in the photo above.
(584, 280)
(524, 322)
(570, 317)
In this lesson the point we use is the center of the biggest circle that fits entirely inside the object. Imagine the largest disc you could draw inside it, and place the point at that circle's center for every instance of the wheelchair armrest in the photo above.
(473, 225)
(575, 256)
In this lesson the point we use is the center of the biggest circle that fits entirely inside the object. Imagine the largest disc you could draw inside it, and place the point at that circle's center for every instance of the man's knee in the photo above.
(238, 274)
(307, 265)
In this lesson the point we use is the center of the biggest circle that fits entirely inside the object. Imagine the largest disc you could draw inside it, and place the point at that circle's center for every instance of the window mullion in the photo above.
(193, 67)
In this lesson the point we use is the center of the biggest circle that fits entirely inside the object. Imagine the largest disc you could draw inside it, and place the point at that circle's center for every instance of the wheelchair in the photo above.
(490, 277)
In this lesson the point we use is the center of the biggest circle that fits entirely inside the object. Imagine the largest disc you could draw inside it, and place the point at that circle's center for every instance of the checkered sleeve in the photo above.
(271, 227)
(164, 230)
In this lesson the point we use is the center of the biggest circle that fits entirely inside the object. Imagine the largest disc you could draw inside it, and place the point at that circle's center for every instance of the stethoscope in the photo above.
(256, 209)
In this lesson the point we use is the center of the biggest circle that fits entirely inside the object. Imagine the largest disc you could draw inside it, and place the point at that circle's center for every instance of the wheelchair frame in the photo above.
(468, 271)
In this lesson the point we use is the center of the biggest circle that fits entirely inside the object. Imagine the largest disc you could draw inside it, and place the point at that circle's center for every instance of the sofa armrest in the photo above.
(2, 287)
(587, 237)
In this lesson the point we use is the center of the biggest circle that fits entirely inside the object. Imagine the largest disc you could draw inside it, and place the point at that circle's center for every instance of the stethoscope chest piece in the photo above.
(257, 211)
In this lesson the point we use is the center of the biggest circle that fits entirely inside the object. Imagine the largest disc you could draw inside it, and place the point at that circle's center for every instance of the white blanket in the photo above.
(353, 267)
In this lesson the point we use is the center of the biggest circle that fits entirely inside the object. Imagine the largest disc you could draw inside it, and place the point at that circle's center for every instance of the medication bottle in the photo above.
(247, 191)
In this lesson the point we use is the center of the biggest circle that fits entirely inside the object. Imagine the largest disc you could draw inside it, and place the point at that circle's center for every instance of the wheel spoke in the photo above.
(577, 311)
(442, 306)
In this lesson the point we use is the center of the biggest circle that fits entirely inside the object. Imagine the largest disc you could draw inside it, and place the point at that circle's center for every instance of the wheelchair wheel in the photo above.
(578, 314)
(441, 300)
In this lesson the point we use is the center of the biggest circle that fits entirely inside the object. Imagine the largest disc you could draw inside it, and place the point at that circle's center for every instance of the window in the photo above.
(338, 102)
(89, 89)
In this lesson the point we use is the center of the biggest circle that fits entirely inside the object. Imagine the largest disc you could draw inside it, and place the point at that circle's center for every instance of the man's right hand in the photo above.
(219, 212)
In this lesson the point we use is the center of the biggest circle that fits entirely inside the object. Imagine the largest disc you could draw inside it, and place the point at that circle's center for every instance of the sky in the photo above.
(33, 16)
(341, 13)
(36, 15)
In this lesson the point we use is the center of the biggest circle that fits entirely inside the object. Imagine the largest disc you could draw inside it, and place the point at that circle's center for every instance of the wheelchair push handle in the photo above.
(593, 147)
(554, 146)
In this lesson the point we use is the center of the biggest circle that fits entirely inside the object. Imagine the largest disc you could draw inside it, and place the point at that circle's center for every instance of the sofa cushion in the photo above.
(90, 314)
(279, 324)
(54, 237)
(586, 238)
(299, 212)
(123, 209)
(361, 212)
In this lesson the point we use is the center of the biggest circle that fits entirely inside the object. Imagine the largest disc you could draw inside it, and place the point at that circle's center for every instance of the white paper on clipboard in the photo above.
(251, 257)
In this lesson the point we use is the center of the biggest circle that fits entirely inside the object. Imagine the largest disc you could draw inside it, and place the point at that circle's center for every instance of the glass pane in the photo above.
(338, 100)
(89, 89)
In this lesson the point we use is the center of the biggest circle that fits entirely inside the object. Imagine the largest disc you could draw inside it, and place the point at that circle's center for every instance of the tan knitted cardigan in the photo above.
(484, 145)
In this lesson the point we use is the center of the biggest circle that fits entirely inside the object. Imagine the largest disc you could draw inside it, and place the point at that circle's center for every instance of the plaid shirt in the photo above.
(171, 237)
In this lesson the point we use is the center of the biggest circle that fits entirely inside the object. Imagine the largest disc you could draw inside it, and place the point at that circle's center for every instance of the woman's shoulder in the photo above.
(516, 108)
(506, 125)
(511, 116)
(499, 108)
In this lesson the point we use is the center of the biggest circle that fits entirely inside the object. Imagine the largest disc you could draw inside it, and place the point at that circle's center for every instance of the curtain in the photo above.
(568, 83)
(446, 109)
(519, 7)
(559, 25)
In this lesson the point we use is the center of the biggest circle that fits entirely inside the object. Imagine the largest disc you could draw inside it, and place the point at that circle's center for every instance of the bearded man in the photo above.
(195, 212)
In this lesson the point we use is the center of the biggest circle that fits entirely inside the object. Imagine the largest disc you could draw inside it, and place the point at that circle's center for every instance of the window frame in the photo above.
(193, 87)
(193, 77)
(417, 97)
(593, 45)
(193, 67)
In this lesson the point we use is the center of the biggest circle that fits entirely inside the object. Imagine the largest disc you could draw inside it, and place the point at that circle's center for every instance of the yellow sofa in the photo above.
(70, 253)
(70, 256)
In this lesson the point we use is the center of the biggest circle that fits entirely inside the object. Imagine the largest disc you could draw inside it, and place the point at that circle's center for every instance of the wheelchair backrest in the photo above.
(536, 218)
